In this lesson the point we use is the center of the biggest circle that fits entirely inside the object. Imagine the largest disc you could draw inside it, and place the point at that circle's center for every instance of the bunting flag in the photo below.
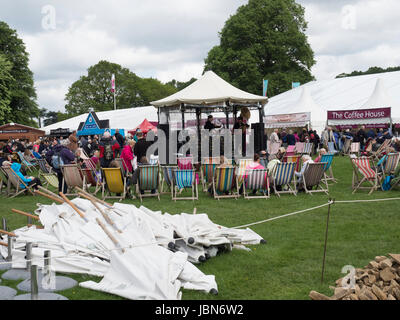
(113, 83)
(265, 87)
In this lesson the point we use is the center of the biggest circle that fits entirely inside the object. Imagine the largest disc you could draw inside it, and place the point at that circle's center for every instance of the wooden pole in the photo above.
(109, 234)
(73, 206)
(105, 216)
(8, 233)
(3, 244)
(326, 240)
(25, 214)
(49, 196)
(49, 192)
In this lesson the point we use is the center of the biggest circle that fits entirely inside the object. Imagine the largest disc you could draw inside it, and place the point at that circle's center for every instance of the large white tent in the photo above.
(127, 119)
(352, 93)
(207, 90)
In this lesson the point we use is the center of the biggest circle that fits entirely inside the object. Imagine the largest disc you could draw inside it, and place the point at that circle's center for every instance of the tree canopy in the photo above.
(265, 39)
(21, 91)
(372, 70)
(6, 81)
(94, 89)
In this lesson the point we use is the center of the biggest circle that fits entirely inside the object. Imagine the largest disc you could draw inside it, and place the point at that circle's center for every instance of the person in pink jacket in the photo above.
(127, 155)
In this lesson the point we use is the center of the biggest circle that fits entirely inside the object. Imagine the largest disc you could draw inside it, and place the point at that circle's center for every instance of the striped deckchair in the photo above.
(15, 182)
(148, 180)
(363, 172)
(347, 146)
(185, 163)
(207, 174)
(296, 159)
(256, 180)
(241, 170)
(72, 176)
(355, 148)
(3, 181)
(389, 165)
(273, 148)
(184, 179)
(284, 177)
(328, 172)
(313, 176)
(27, 164)
(45, 171)
(167, 178)
(153, 159)
(90, 179)
(290, 151)
(331, 148)
(307, 149)
(225, 184)
(381, 150)
(114, 182)
(299, 147)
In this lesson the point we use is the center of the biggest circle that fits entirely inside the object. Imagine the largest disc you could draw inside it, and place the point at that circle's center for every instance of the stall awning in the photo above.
(359, 117)
(287, 120)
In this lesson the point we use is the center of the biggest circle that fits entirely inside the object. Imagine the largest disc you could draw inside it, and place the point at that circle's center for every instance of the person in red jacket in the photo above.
(108, 150)
(127, 155)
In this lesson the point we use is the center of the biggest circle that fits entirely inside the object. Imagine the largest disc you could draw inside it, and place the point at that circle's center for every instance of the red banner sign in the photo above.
(380, 113)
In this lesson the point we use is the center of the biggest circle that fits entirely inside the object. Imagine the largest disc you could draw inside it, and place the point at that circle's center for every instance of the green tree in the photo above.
(265, 39)
(180, 85)
(6, 81)
(94, 90)
(22, 91)
(371, 70)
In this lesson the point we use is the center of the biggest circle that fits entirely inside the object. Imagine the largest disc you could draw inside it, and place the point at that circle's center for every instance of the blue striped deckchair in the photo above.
(184, 179)
(307, 149)
(148, 180)
(167, 178)
(207, 174)
(331, 148)
(46, 172)
(284, 177)
(313, 176)
(225, 181)
(25, 162)
(328, 159)
(256, 180)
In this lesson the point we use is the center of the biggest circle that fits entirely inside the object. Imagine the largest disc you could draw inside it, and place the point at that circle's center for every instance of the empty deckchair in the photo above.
(290, 151)
(148, 180)
(27, 164)
(72, 177)
(184, 179)
(225, 184)
(91, 180)
(355, 148)
(313, 176)
(328, 172)
(364, 173)
(256, 180)
(299, 147)
(45, 171)
(207, 174)
(15, 182)
(381, 150)
(284, 177)
(185, 163)
(389, 165)
(241, 170)
(331, 148)
(114, 183)
(167, 178)
(296, 159)
(307, 149)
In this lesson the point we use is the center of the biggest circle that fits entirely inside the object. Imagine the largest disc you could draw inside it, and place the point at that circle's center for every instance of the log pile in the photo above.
(379, 280)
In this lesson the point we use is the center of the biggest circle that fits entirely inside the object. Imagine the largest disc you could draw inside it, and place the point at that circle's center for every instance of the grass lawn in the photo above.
(289, 265)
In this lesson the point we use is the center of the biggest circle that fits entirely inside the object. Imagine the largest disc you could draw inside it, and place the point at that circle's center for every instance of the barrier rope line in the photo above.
(77, 252)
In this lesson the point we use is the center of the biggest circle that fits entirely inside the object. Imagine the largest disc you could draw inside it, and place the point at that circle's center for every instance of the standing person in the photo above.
(141, 146)
(73, 141)
(362, 137)
(128, 156)
(274, 138)
(291, 138)
(209, 123)
(108, 150)
(120, 139)
(58, 156)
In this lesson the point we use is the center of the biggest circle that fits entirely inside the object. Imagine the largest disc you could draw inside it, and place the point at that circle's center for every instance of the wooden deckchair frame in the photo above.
(359, 178)
(263, 173)
(147, 192)
(105, 192)
(194, 187)
(215, 178)
(15, 181)
(314, 176)
(291, 190)
(66, 171)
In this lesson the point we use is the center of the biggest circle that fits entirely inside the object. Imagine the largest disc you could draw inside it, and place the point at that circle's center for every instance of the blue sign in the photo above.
(295, 84)
(265, 87)
(91, 127)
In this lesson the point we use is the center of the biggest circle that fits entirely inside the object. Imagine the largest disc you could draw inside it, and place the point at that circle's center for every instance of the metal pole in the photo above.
(28, 256)
(4, 221)
(10, 247)
(34, 283)
(47, 262)
(326, 240)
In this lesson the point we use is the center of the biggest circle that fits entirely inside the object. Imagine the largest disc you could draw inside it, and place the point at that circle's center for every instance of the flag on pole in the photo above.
(265, 87)
(113, 83)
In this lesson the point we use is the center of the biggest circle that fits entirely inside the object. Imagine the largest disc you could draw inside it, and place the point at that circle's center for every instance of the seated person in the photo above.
(263, 158)
(16, 167)
(320, 154)
(254, 166)
(223, 162)
(299, 175)
(6, 160)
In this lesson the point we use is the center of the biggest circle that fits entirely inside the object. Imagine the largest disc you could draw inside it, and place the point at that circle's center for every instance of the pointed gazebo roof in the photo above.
(210, 89)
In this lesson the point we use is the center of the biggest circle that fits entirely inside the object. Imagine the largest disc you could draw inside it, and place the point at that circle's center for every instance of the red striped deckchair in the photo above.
(184, 179)
(225, 181)
(148, 180)
(256, 180)
(362, 172)
(313, 176)
(381, 150)
(284, 177)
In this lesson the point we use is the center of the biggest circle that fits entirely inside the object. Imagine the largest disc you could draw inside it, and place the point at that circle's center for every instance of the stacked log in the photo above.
(379, 280)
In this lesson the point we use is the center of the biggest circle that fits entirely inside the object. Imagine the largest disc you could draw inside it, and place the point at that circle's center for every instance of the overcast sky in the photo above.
(170, 39)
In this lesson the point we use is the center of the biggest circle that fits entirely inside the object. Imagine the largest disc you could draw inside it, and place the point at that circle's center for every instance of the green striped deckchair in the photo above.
(207, 174)
(148, 180)
(284, 177)
(256, 180)
(184, 179)
(225, 181)
(46, 172)
(313, 176)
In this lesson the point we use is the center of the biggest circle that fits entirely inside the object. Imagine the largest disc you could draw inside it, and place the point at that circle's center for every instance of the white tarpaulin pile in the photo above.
(141, 254)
